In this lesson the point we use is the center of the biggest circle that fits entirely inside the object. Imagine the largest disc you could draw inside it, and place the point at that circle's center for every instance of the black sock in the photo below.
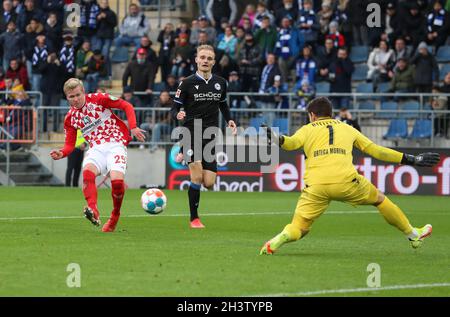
(194, 199)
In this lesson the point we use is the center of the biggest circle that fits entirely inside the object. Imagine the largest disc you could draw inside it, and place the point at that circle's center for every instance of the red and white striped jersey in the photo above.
(97, 122)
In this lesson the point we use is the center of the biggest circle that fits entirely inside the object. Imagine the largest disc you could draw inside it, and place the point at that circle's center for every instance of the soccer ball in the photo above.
(153, 201)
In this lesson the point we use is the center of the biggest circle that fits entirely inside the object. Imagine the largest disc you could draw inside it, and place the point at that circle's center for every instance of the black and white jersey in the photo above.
(202, 99)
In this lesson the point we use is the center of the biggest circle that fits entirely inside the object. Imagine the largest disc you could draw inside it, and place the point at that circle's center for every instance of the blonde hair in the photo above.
(205, 47)
(71, 84)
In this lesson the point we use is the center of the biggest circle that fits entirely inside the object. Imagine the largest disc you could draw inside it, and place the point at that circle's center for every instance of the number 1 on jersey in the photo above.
(330, 130)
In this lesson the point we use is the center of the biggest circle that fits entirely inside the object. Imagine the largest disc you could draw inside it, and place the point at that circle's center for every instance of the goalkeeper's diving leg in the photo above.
(310, 206)
(395, 217)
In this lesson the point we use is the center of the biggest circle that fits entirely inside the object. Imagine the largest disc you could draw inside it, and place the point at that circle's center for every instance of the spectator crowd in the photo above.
(273, 46)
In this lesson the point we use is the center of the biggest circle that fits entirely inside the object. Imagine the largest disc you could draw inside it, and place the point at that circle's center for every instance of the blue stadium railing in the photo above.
(374, 121)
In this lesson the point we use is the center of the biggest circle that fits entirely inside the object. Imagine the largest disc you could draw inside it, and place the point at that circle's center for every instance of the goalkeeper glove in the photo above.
(424, 159)
(272, 137)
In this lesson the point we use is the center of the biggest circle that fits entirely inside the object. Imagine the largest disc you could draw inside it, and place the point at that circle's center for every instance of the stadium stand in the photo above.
(282, 124)
(422, 129)
(388, 106)
(253, 128)
(359, 54)
(398, 128)
(360, 72)
(323, 87)
(443, 54)
(413, 107)
(174, 31)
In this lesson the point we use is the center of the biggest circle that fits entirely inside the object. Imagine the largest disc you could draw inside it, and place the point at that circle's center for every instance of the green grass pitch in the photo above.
(42, 232)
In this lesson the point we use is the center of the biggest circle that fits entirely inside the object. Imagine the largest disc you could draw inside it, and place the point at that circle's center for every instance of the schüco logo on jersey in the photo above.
(207, 96)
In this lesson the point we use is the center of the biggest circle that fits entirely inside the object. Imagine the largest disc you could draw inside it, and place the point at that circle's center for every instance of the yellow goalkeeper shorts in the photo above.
(315, 199)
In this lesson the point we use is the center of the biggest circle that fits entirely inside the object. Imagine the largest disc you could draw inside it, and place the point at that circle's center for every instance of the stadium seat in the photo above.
(443, 54)
(158, 86)
(425, 115)
(364, 88)
(254, 125)
(120, 55)
(366, 105)
(323, 87)
(443, 71)
(413, 107)
(422, 129)
(359, 54)
(360, 72)
(398, 128)
(383, 87)
(387, 105)
(282, 125)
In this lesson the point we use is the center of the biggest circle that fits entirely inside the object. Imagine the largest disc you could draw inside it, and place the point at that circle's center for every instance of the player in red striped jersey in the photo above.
(108, 137)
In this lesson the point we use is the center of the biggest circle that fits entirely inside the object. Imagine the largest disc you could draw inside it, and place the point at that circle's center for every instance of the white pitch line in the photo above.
(232, 214)
(356, 290)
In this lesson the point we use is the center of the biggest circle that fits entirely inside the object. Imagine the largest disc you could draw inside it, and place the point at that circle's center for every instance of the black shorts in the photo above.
(198, 148)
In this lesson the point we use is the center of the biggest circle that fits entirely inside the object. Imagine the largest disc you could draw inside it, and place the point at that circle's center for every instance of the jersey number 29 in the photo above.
(120, 159)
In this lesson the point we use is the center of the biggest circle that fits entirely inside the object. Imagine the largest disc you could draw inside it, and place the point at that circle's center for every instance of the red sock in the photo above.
(90, 189)
(117, 193)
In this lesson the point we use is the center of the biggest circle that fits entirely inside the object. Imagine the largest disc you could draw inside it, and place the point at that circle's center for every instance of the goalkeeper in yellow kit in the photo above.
(330, 174)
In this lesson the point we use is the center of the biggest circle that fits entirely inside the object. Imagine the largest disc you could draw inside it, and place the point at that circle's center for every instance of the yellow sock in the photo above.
(394, 216)
(290, 233)
(293, 232)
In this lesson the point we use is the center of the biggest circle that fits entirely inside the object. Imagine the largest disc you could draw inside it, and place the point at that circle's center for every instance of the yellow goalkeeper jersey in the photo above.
(328, 145)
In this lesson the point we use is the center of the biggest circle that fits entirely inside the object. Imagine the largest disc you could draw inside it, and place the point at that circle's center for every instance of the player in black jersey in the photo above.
(198, 100)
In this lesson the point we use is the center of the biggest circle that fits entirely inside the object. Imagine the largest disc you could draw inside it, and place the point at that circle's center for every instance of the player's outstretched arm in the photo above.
(389, 155)
(112, 102)
(427, 159)
(119, 103)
